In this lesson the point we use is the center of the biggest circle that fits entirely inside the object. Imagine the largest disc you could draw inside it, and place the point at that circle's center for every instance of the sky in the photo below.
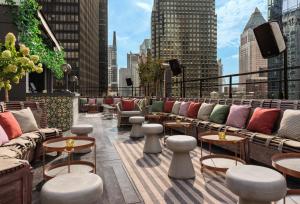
(131, 19)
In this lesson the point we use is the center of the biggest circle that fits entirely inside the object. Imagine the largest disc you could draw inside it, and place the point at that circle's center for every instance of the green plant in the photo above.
(15, 63)
(28, 24)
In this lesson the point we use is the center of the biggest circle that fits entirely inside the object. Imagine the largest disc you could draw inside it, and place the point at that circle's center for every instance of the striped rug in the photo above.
(150, 175)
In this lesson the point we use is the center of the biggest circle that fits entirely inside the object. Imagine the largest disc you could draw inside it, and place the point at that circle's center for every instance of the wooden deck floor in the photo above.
(118, 188)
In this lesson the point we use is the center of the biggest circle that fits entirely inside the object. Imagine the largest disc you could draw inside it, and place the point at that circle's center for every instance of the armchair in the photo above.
(123, 116)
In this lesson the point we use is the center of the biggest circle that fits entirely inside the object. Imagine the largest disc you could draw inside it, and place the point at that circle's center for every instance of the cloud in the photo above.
(145, 6)
(234, 56)
(232, 18)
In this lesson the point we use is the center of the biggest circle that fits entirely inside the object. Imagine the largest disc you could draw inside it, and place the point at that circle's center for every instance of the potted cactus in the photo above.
(15, 62)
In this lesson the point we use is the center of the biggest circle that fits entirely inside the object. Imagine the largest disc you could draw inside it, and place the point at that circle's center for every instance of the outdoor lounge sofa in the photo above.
(261, 146)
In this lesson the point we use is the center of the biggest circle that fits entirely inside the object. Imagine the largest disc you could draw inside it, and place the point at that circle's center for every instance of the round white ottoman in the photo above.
(181, 165)
(72, 189)
(256, 184)
(152, 143)
(136, 130)
(82, 130)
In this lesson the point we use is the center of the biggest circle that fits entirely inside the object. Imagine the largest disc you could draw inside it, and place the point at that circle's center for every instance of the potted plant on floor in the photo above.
(15, 62)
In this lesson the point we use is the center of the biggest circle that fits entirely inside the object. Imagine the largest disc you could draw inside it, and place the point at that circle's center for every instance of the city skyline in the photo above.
(232, 17)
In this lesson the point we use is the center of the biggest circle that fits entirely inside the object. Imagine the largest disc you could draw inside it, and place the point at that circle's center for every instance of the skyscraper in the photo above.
(291, 30)
(250, 58)
(133, 66)
(103, 58)
(187, 31)
(113, 66)
(76, 25)
(274, 14)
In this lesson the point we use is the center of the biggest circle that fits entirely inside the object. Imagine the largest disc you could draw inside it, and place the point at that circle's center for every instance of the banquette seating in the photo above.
(265, 123)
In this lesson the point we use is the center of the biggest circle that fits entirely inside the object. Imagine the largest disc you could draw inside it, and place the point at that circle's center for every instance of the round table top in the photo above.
(220, 163)
(177, 124)
(59, 144)
(287, 163)
(216, 139)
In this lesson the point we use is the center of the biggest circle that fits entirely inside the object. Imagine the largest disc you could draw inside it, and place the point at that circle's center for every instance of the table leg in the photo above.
(201, 147)
(209, 148)
(69, 162)
(95, 157)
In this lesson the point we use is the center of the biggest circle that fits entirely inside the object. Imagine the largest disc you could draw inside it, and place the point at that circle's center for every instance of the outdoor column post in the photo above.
(230, 86)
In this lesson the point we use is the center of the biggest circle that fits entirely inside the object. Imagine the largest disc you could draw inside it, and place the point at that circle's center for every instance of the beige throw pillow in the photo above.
(176, 107)
(289, 125)
(205, 111)
(26, 120)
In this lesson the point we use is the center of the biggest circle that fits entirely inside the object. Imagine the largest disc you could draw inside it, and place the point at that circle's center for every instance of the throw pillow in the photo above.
(289, 125)
(184, 108)
(83, 101)
(116, 100)
(263, 120)
(92, 101)
(108, 101)
(26, 120)
(193, 110)
(157, 106)
(127, 105)
(219, 114)
(10, 125)
(168, 106)
(238, 116)
(204, 111)
(99, 101)
(3, 136)
(176, 107)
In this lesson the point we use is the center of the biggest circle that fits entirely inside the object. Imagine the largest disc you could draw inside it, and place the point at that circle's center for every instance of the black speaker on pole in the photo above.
(175, 66)
(270, 39)
(129, 82)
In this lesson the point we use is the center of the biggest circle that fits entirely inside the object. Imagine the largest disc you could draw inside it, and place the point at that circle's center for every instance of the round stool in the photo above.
(181, 165)
(256, 184)
(72, 189)
(136, 130)
(152, 143)
(82, 130)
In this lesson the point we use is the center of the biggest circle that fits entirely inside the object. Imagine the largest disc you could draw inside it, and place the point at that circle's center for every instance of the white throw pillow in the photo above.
(205, 111)
(289, 125)
(176, 107)
(26, 120)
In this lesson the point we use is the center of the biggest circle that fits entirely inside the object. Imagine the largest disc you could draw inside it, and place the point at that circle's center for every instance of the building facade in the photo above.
(187, 31)
(291, 30)
(124, 90)
(133, 66)
(76, 26)
(103, 45)
(113, 67)
(250, 58)
(220, 73)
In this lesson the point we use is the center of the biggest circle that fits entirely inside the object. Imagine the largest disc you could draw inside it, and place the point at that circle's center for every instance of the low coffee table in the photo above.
(173, 124)
(288, 164)
(219, 162)
(70, 166)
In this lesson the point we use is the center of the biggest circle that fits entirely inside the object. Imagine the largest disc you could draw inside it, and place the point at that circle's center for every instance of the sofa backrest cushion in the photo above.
(99, 101)
(263, 120)
(26, 120)
(157, 106)
(83, 101)
(184, 108)
(91, 101)
(289, 126)
(193, 110)
(205, 111)
(3, 136)
(168, 106)
(10, 125)
(127, 105)
(238, 116)
(108, 101)
(219, 114)
(176, 107)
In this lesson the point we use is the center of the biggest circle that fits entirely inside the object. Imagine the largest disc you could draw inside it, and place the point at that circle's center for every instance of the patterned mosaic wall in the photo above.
(59, 110)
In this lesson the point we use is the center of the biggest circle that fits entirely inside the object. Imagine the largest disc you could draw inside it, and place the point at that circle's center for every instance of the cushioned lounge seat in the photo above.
(10, 152)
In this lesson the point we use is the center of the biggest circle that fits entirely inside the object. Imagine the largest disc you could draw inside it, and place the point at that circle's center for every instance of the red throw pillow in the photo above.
(108, 101)
(263, 120)
(193, 110)
(127, 105)
(10, 125)
(168, 106)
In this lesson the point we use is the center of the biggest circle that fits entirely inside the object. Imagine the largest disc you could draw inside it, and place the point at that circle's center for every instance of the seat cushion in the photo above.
(157, 106)
(10, 125)
(205, 111)
(219, 114)
(176, 107)
(127, 105)
(26, 120)
(168, 106)
(193, 110)
(130, 113)
(184, 108)
(263, 120)
(238, 116)
(289, 125)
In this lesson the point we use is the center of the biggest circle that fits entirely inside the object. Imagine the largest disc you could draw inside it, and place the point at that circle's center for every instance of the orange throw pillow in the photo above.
(127, 105)
(10, 125)
(193, 110)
